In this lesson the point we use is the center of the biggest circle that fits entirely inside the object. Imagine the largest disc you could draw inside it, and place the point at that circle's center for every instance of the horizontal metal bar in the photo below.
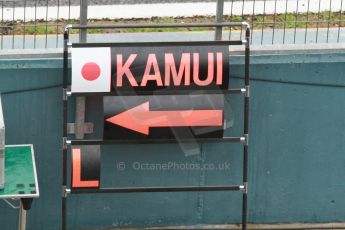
(163, 92)
(156, 141)
(163, 25)
(293, 21)
(159, 189)
(149, 44)
(88, 128)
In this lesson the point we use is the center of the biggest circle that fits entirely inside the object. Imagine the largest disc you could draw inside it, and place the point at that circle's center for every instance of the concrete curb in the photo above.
(294, 226)
(234, 50)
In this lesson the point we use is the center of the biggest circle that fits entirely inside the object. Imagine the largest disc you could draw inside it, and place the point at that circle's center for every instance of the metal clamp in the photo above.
(65, 142)
(64, 94)
(243, 91)
(65, 191)
(246, 139)
(247, 91)
(244, 188)
(247, 43)
(68, 27)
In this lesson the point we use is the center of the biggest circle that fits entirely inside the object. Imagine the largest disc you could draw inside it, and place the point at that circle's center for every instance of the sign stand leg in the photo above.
(64, 215)
(22, 217)
(244, 212)
(246, 133)
(245, 193)
(64, 135)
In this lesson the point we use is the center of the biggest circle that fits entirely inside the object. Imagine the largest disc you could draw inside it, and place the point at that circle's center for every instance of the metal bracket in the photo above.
(247, 44)
(88, 128)
(247, 91)
(65, 191)
(243, 91)
(64, 94)
(244, 188)
(246, 139)
(10, 204)
(65, 143)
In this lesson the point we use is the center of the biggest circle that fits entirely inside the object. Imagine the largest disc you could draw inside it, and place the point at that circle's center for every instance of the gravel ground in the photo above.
(94, 2)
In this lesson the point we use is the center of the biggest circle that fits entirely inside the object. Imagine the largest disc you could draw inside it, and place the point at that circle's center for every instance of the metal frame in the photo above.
(66, 143)
(155, 141)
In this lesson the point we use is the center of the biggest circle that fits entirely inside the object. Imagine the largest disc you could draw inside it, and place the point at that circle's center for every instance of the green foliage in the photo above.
(40, 29)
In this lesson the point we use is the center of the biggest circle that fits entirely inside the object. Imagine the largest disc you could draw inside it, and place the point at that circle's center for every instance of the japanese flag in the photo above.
(91, 70)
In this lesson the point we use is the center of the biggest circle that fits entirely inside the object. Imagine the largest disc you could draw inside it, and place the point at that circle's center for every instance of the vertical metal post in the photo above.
(219, 19)
(64, 135)
(83, 20)
(80, 101)
(80, 108)
(246, 129)
(21, 217)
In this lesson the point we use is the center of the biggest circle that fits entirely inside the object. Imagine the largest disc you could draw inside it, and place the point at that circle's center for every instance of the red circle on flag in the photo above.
(90, 71)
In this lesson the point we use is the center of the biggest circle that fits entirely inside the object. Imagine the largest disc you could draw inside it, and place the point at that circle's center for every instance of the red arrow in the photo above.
(140, 118)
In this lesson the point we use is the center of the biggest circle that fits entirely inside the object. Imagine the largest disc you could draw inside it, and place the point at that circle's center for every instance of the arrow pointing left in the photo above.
(140, 118)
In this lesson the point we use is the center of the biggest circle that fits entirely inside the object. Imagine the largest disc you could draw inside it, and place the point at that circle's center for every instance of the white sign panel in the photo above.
(91, 70)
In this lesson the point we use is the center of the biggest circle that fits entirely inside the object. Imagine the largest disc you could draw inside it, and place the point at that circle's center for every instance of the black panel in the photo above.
(138, 66)
(90, 162)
